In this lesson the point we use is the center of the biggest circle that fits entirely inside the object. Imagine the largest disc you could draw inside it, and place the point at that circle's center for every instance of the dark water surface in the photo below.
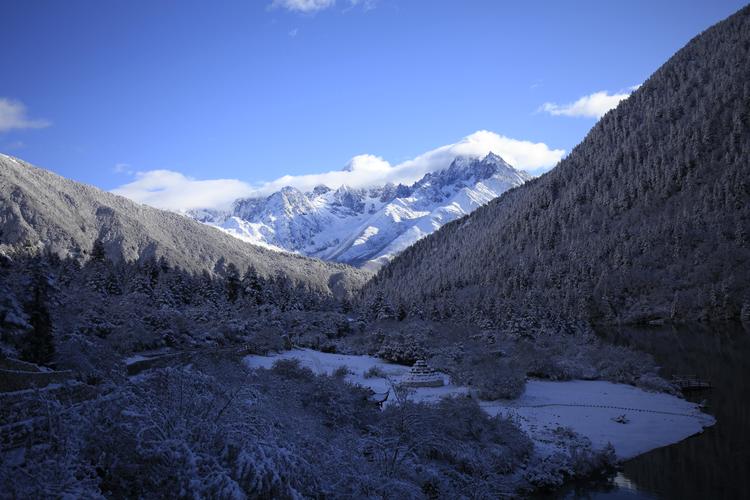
(711, 465)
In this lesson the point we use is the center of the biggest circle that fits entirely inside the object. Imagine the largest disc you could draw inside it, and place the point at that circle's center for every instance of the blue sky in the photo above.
(253, 90)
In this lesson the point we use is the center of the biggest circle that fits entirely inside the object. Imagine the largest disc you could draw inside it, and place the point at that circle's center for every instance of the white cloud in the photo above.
(13, 116)
(174, 191)
(591, 106)
(303, 6)
(293, 32)
(312, 6)
(10, 146)
(365, 4)
(123, 168)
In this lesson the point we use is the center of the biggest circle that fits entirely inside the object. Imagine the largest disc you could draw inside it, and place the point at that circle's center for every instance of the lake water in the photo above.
(711, 465)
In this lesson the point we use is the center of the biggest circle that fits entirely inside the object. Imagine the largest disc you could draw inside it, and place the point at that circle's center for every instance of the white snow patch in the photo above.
(589, 407)
(135, 359)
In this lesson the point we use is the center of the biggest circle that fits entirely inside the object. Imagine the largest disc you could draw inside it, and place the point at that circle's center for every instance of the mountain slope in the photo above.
(39, 209)
(649, 217)
(367, 226)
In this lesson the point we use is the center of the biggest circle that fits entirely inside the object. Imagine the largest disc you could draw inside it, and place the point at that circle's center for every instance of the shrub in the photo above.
(402, 350)
(465, 448)
(291, 369)
(375, 372)
(341, 372)
(266, 340)
(492, 377)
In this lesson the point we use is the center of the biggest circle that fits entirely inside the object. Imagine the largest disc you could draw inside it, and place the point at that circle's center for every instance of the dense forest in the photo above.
(104, 306)
(647, 219)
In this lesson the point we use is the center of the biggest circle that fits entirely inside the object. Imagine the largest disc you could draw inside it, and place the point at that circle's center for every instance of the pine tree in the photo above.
(251, 286)
(38, 344)
(112, 283)
(98, 253)
(346, 306)
(97, 268)
(400, 312)
(205, 288)
(375, 306)
(232, 282)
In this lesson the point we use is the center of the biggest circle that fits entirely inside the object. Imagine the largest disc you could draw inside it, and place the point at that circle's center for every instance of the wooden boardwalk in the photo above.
(690, 383)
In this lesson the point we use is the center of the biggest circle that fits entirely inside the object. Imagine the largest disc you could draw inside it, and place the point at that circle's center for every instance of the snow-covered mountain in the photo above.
(366, 227)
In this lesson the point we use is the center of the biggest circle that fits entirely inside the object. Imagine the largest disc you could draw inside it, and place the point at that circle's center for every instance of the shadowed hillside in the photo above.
(649, 217)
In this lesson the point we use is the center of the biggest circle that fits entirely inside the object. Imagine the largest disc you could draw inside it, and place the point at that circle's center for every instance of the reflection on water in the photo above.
(623, 482)
(711, 465)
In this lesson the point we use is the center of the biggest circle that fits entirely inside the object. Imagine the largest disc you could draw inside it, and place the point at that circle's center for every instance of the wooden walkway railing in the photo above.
(690, 382)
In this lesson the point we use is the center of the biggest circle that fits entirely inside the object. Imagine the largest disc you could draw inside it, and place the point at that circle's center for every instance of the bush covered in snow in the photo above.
(375, 372)
(217, 430)
(575, 460)
(492, 377)
(584, 356)
(404, 349)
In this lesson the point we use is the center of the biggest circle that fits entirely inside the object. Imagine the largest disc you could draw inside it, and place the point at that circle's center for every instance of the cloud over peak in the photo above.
(13, 116)
(590, 106)
(174, 191)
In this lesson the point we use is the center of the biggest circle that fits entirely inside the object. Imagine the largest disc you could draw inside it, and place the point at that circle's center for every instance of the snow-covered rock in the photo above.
(366, 227)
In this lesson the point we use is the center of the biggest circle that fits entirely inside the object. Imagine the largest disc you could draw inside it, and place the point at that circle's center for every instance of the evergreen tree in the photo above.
(232, 282)
(38, 343)
(251, 285)
(98, 253)
(400, 312)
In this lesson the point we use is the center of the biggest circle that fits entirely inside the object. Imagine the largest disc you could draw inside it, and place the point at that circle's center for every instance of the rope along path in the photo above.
(699, 415)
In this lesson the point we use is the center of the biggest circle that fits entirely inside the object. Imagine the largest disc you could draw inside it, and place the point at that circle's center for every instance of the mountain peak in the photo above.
(472, 167)
(290, 190)
(368, 226)
(320, 189)
(496, 159)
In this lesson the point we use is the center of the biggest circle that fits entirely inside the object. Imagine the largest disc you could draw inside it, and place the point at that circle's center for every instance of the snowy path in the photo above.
(587, 407)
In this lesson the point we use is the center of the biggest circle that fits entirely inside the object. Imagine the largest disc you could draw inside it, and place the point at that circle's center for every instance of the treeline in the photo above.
(138, 305)
(647, 219)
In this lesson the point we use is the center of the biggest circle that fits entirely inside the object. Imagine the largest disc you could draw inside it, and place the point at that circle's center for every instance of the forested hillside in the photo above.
(43, 211)
(56, 311)
(648, 218)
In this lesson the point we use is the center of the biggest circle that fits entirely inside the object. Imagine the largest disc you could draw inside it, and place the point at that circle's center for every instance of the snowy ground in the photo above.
(587, 407)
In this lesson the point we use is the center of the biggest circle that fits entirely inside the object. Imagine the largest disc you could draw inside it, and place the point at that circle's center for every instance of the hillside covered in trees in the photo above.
(647, 219)
(58, 312)
(41, 211)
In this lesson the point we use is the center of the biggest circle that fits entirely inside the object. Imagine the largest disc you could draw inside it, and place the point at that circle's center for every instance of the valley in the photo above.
(452, 327)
